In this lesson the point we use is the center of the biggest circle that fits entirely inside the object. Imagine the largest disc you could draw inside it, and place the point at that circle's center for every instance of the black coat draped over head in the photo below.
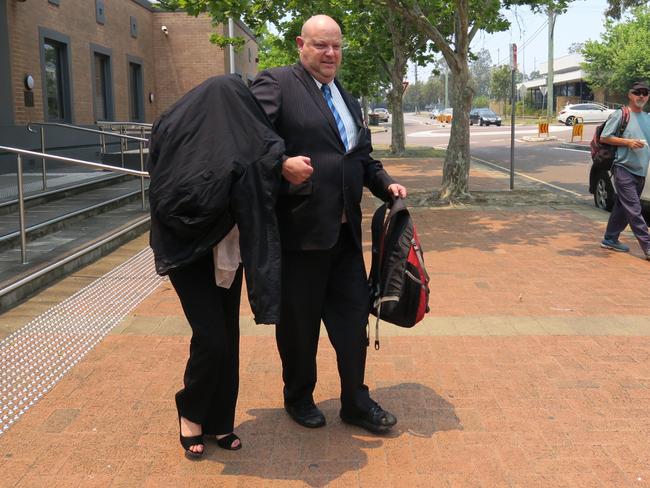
(215, 160)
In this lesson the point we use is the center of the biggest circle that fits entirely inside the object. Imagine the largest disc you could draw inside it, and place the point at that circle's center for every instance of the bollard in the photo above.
(542, 127)
(578, 128)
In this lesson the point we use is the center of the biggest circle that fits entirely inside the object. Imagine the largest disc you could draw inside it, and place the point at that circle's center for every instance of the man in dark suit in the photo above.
(326, 165)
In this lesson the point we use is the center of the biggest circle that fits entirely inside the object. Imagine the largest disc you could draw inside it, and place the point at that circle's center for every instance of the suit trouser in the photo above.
(330, 285)
(627, 207)
(212, 373)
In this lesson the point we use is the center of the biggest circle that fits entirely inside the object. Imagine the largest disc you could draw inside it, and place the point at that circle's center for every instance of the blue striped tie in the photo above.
(327, 92)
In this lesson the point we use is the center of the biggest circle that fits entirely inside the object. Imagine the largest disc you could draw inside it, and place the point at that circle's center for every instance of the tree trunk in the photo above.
(455, 173)
(397, 142)
(397, 71)
(364, 109)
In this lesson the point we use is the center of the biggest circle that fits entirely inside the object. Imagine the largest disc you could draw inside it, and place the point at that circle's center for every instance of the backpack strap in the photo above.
(625, 118)
(380, 226)
(378, 233)
(624, 121)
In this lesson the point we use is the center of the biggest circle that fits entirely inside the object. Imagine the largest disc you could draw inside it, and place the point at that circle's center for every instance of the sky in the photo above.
(584, 20)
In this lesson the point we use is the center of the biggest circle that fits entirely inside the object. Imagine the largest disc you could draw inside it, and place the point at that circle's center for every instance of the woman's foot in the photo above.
(229, 441)
(191, 436)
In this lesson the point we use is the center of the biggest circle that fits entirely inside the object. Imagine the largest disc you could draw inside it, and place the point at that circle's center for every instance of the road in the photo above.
(564, 168)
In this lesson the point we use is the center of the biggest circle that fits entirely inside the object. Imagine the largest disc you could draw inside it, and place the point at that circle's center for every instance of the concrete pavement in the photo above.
(532, 369)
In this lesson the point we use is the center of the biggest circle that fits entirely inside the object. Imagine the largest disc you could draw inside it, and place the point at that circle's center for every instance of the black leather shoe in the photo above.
(376, 420)
(306, 414)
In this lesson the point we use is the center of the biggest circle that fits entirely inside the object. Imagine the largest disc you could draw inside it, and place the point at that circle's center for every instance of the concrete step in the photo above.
(61, 252)
(50, 216)
(58, 188)
(67, 228)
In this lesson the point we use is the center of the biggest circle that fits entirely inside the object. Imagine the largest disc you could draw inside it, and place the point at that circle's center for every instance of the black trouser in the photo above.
(330, 285)
(212, 373)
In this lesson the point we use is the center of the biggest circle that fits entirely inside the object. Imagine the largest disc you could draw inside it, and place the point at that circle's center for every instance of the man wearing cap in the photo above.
(629, 170)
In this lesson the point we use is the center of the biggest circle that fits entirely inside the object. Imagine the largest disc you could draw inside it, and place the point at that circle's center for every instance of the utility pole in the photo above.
(231, 47)
(523, 73)
(513, 70)
(417, 89)
(549, 75)
(446, 88)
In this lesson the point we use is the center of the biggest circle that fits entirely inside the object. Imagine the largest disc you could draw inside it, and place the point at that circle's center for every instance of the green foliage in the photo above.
(533, 75)
(500, 83)
(621, 56)
(224, 41)
(616, 8)
(274, 51)
(480, 68)
(481, 101)
(382, 152)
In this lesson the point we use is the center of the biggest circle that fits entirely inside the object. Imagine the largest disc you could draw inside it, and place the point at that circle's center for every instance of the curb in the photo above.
(577, 147)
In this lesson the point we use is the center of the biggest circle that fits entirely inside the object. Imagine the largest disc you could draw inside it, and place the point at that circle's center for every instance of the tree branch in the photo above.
(384, 64)
(417, 17)
(475, 28)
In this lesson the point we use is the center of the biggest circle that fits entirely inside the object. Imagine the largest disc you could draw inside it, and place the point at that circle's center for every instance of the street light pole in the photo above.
(513, 70)
(446, 89)
(549, 80)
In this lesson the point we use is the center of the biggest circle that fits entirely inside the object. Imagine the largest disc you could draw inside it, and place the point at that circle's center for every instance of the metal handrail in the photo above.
(21, 197)
(124, 128)
(85, 129)
(113, 122)
(102, 142)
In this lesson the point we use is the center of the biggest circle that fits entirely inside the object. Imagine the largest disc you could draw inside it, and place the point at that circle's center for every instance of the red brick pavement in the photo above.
(487, 411)
(473, 411)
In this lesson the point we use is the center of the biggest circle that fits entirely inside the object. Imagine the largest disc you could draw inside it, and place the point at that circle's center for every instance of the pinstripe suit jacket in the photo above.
(309, 214)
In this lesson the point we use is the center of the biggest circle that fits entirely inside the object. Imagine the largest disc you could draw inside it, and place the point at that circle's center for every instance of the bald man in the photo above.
(326, 165)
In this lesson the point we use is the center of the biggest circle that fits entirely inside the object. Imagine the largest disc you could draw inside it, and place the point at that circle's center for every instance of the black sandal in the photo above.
(228, 441)
(188, 442)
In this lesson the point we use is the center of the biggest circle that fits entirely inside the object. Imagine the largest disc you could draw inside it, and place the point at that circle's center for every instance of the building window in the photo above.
(102, 86)
(136, 93)
(56, 82)
(56, 77)
(134, 26)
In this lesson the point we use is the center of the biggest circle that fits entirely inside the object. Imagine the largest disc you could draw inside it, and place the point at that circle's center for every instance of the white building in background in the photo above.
(569, 85)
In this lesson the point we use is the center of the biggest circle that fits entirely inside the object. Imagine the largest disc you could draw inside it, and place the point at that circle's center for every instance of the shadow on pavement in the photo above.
(275, 450)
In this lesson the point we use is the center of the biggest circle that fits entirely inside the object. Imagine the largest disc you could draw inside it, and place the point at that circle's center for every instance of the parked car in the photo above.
(434, 113)
(602, 187)
(383, 114)
(590, 112)
(483, 116)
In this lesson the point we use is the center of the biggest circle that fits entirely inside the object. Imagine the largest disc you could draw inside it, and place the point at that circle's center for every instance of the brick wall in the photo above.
(172, 63)
(76, 19)
(185, 57)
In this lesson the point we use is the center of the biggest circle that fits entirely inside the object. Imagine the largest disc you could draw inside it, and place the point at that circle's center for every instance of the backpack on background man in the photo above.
(602, 154)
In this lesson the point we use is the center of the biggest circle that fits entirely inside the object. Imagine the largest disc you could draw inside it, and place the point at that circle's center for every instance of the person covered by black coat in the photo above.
(215, 163)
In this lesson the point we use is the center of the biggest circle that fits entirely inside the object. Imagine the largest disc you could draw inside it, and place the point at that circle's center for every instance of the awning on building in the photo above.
(577, 75)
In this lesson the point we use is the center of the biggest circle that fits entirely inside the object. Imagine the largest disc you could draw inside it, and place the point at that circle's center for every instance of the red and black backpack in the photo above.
(399, 283)
(602, 154)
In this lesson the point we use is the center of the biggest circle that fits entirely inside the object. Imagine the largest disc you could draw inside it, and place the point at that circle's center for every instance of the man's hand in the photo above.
(397, 190)
(635, 143)
(297, 170)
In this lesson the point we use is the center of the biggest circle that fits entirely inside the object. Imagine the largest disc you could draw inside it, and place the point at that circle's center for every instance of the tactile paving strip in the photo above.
(35, 357)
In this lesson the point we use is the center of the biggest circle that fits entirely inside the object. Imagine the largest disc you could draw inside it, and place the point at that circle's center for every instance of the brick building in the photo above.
(79, 61)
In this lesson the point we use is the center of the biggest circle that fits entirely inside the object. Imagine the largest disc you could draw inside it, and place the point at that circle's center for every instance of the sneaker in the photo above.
(647, 254)
(615, 245)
